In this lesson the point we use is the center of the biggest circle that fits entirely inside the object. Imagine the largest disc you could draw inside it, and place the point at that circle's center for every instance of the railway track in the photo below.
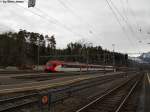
(40, 75)
(17, 102)
(113, 100)
(19, 72)
(32, 71)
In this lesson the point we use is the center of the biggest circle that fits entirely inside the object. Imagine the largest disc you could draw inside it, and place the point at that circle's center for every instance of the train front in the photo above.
(51, 66)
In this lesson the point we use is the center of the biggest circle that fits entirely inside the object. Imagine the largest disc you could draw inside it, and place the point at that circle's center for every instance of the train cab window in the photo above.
(49, 64)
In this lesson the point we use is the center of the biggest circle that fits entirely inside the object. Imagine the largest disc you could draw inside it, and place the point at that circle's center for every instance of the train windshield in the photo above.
(49, 64)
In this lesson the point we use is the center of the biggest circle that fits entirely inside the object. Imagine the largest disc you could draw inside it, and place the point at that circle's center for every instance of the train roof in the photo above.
(72, 63)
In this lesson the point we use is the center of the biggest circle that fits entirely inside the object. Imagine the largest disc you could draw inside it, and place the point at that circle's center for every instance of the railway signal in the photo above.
(44, 100)
(31, 3)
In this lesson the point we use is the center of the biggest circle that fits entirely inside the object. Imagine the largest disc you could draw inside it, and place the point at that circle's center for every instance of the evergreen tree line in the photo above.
(22, 48)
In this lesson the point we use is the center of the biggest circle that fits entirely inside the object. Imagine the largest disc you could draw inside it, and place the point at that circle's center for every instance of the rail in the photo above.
(56, 95)
(105, 98)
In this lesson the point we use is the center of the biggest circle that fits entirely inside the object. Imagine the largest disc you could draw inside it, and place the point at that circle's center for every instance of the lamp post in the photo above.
(113, 45)
(38, 57)
(104, 59)
(87, 53)
(38, 54)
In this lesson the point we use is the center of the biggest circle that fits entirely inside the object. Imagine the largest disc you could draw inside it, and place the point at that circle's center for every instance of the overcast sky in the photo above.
(90, 20)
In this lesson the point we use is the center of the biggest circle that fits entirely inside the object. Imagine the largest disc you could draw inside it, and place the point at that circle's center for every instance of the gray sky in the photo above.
(91, 20)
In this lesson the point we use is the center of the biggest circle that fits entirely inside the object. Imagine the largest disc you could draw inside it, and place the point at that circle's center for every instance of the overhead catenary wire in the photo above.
(137, 26)
(126, 20)
(135, 20)
(130, 11)
(124, 10)
(61, 24)
(54, 21)
(133, 14)
(118, 20)
(57, 22)
(66, 27)
(70, 9)
(128, 24)
(74, 13)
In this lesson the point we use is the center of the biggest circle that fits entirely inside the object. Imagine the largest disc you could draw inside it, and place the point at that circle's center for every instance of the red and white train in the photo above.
(61, 66)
